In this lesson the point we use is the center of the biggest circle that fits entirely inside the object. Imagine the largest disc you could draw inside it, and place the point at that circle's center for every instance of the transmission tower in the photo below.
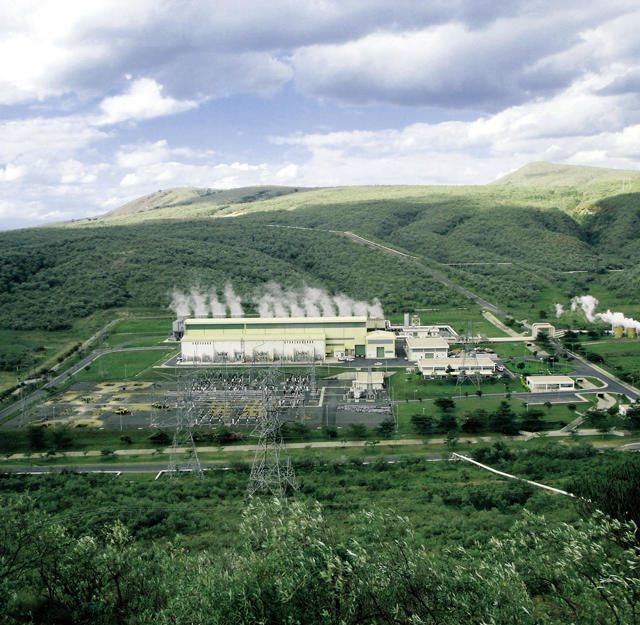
(271, 471)
(466, 358)
(186, 415)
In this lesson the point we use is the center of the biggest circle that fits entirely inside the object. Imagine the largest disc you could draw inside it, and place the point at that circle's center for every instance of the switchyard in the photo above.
(223, 396)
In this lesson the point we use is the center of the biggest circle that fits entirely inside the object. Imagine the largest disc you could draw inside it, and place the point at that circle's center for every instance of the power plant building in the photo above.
(422, 348)
(549, 383)
(298, 339)
(474, 365)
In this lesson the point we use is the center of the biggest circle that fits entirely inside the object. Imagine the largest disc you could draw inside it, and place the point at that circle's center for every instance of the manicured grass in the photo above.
(405, 386)
(620, 356)
(123, 365)
(508, 350)
(143, 332)
(539, 368)
(460, 319)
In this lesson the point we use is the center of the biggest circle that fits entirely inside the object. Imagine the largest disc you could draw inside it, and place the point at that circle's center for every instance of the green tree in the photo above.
(633, 417)
(386, 428)
(448, 423)
(532, 420)
(422, 423)
(444, 403)
(61, 438)
(614, 488)
(357, 430)
(503, 420)
(36, 437)
(475, 421)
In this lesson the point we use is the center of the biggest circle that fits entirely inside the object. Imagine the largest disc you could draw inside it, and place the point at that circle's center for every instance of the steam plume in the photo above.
(233, 301)
(272, 301)
(588, 303)
(559, 310)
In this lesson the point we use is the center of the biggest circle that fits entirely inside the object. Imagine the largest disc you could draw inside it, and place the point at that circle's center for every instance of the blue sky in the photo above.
(104, 101)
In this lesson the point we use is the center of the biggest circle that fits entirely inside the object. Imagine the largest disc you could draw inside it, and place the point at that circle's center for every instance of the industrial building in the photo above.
(423, 348)
(367, 381)
(548, 383)
(296, 339)
(471, 365)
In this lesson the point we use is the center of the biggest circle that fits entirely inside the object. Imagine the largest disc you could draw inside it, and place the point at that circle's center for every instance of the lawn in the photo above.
(143, 332)
(620, 356)
(532, 367)
(123, 365)
(405, 386)
(508, 350)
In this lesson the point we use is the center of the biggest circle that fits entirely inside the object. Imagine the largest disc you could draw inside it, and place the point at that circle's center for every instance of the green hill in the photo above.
(543, 174)
(513, 245)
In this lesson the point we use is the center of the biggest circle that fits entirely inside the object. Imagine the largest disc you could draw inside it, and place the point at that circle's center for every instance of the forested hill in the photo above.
(514, 245)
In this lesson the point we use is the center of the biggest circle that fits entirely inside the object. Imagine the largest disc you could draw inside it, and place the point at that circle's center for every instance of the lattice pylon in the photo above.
(271, 471)
(183, 443)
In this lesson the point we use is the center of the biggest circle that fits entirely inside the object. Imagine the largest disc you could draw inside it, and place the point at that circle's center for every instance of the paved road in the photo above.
(156, 467)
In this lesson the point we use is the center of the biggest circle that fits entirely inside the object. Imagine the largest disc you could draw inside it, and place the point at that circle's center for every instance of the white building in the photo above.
(365, 380)
(380, 344)
(424, 348)
(548, 383)
(471, 365)
(300, 339)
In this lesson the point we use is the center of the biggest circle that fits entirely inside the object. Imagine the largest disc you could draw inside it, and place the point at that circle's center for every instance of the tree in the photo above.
(358, 431)
(580, 573)
(445, 403)
(599, 419)
(36, 437)
(475, 421)
(160, 438)
(448, 423)
(61, 438)
(386, 428)
(330, 431)
(422, 423)
(633, 417)
(614, 489)
(532, 420)
(503, 420)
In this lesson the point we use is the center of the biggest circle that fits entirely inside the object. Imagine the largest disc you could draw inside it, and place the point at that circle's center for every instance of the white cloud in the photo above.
(11, 172)
(143, 100)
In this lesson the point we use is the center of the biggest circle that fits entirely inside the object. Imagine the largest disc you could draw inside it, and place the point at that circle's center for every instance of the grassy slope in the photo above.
(49, 275)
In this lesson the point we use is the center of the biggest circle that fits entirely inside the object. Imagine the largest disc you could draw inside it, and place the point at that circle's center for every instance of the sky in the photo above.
(103, 101)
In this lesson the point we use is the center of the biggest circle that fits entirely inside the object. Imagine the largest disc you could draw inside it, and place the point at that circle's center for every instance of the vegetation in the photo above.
(457, 546)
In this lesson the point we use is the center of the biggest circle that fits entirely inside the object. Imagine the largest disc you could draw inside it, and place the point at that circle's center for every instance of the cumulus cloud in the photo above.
(446, 91)
(143, 100)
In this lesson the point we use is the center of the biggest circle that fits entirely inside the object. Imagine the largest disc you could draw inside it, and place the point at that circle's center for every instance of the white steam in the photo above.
(588, 304)
(272, 301)
(559, 310)
(233, 302)
(200, 304)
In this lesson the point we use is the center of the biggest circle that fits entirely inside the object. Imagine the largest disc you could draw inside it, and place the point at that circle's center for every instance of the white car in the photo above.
(377, 364)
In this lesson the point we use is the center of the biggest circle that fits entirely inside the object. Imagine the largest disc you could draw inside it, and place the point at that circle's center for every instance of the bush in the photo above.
(160, 438)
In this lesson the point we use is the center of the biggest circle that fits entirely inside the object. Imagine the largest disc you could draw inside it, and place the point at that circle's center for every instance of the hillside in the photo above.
(570, 189)
(204, 198)
(518, 247)
(543, 174)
